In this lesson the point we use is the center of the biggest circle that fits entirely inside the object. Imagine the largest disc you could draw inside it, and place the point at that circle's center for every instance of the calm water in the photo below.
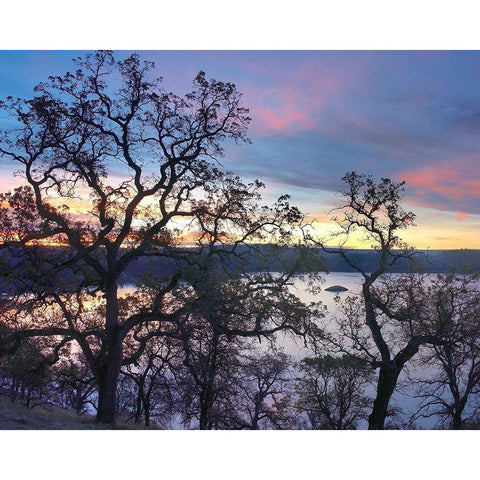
(352, 281)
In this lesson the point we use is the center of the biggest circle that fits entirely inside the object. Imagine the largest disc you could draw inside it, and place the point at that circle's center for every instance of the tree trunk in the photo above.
(256, 413)
(139, 403)
(109, 371)
(387, 381)
(146, 408)
(457, 420)
(204, 410)
(107, 388)
(207, 396)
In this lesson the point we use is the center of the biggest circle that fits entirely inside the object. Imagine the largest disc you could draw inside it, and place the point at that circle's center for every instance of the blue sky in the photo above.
(407, 115)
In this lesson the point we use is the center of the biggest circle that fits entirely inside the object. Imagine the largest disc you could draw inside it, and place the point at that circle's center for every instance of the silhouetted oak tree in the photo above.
(265, 391)
(74, 382)
(382, 328)
(112, 164)
(152, 380)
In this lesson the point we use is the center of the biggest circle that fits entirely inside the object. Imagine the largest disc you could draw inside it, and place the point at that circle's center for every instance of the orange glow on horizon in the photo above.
(445, 231)
(436, 228)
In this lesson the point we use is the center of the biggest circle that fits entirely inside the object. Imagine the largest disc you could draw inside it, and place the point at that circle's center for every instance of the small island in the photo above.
(336, 288)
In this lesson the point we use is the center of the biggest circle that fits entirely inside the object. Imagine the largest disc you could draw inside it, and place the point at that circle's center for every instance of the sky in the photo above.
(405, 115)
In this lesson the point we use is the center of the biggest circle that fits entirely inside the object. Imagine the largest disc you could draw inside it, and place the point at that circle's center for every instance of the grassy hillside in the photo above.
(49, 417)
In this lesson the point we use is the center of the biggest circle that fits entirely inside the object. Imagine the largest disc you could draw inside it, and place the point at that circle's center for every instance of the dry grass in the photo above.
(14, 416)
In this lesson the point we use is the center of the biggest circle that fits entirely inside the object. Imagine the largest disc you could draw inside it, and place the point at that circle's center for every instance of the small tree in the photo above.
(153, 381)
(74, 382)
(330, 391)
(206, 374)
(264, 393)
(25, 374)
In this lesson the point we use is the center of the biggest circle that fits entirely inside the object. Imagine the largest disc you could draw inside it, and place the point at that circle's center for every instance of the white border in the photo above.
(249, 24)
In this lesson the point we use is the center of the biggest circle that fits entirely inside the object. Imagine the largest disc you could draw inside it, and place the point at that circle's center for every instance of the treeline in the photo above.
(259, 258)
(207, 381)
(432, 261)
(198, 376)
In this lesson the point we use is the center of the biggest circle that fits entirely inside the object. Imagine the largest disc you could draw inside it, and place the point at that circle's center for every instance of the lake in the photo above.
(352, 281)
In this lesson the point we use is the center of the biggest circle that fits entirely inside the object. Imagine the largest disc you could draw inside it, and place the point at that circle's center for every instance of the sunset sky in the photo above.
(411, 116)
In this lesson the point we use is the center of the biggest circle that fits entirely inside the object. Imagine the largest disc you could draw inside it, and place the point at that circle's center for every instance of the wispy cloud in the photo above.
(452, 184)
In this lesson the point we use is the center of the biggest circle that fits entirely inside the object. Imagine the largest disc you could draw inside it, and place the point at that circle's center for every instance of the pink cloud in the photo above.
(284, 118)
(454, 181)
(295, 100)
(444, 179)
(461, 215)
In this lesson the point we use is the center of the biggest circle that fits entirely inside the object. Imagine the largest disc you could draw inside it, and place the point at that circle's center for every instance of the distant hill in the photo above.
(261, 258)
(428, 261)
(432, 261)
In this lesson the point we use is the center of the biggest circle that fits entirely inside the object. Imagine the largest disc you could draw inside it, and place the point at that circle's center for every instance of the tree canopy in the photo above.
(116, 169)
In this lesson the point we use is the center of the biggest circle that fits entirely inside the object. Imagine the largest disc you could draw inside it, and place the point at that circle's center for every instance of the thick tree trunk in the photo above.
(387, 381)
(457, 421)
(390, 370)
(204, 411)
(457, 414)
(109, 371)
(107, 387)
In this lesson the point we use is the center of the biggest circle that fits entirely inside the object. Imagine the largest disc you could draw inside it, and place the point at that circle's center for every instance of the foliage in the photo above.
(331, 391)
(25, 375)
